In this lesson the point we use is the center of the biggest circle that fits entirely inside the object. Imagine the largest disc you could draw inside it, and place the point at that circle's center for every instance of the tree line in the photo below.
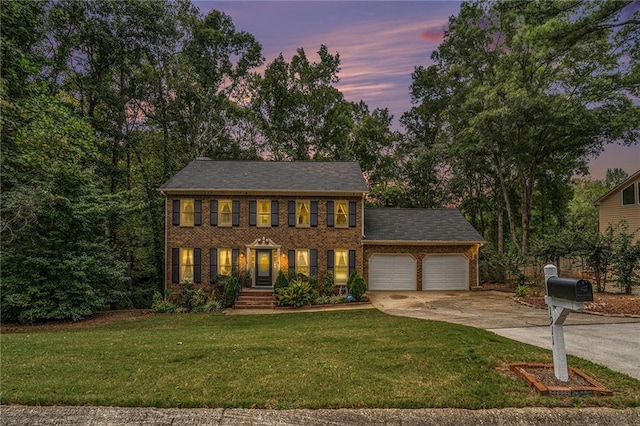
(103, 101)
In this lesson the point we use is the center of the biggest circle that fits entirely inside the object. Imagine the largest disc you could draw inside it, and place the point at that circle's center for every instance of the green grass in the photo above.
(358, 358)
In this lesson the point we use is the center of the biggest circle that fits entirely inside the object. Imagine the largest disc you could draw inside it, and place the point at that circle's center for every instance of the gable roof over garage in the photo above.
(409, 226)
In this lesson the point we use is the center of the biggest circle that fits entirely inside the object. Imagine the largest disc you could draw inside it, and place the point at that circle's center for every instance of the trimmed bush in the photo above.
(298, 293)
(231, 290)
(356, 286)
(281, 281)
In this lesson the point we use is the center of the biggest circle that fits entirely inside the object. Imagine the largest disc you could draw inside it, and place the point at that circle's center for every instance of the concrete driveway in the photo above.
(610, 341)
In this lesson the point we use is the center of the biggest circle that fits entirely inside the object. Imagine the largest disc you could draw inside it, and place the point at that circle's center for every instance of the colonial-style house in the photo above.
(308, 218)
(621, 203)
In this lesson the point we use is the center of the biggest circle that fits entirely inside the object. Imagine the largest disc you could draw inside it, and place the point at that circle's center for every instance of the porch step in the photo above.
(255, 299)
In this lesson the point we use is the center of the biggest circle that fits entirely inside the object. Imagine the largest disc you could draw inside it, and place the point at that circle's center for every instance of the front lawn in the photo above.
(357, 358)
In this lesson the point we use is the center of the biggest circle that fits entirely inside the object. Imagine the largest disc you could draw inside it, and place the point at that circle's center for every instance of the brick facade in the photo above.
(207, 236)
(420, 251)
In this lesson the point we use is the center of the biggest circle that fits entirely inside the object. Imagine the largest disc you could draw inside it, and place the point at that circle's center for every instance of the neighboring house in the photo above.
(303, 217)
(621, 203)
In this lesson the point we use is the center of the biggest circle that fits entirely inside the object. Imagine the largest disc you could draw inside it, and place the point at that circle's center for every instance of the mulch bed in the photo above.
(543, 379)
(615, 304)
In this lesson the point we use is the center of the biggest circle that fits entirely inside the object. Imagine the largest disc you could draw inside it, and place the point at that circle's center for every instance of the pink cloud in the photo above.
(434, 34)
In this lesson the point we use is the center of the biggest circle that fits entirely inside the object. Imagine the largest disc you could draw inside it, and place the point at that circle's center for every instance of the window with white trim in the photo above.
(187, 212)
(225, 210)
(342, 214)
(225, 259)
(341, 266)
(629, 195)
(264, 213)
(186, 265)
(302, 262)
(302, 213)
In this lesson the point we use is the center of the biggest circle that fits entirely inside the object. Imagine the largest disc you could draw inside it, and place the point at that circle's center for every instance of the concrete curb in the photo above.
(112, 416)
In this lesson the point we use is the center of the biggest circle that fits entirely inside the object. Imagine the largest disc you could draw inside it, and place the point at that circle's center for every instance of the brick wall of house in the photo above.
(419, 252)
(206, 236)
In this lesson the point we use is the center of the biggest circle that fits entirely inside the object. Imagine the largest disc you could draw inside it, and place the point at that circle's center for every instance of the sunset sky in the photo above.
(379, 42)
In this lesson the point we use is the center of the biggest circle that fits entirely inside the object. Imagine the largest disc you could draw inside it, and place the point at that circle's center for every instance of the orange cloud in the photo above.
(434, 34)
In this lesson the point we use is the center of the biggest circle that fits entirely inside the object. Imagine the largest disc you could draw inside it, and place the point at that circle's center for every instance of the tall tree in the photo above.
(302, 116)
(525, 98)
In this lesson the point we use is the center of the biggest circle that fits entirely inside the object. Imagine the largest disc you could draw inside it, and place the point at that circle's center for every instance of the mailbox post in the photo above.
(563, 296)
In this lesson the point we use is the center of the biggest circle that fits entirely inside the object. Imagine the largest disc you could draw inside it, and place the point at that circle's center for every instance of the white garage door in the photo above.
(392, 272)
(445, 272)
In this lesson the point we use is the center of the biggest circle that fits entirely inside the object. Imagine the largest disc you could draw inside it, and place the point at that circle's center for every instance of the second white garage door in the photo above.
(392, 272)
(445, 272)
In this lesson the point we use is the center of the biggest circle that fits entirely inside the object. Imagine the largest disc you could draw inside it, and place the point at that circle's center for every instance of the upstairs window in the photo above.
(629, 195)
(187, 212)
(225, 211)
(302, 213)
(342, 214)
(264, 213)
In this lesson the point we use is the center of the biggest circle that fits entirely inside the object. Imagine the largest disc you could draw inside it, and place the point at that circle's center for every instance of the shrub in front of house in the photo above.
(160, 305)
(297, 293)
(189, 300)
(231, 289)
(356, 286)
(281, 281)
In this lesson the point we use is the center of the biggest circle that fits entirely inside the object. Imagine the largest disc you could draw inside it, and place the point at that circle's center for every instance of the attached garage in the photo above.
(392, 272)
(445, 272)
(419, 249)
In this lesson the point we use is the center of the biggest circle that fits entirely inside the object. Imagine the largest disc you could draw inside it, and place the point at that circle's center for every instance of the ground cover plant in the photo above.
(353, 358)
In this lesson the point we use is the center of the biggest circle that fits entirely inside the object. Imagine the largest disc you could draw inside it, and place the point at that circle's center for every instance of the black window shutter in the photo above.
(175, 265)
(197, 265)
(252, 213)
(352, 261)
(274, 213)
(313, 262)
(352, 214)
(292, 263)
(235, 213)
(314, 214)
(235, 262)
(197, 214)
(329, 213)
(330, 258)
(176, 212)
(214, 213)
(292, 213)
(213, 265)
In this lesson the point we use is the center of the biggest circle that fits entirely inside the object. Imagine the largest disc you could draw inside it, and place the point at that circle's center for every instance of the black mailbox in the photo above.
(575, 289)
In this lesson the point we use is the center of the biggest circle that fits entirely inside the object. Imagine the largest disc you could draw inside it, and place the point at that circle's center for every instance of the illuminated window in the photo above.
(341, 268)
(302, 262)
(302, 213)
(224, 261)
(628, 195)
(186, 265)
(224, 213)
(342, 214)
(187, 212)
(264, 213)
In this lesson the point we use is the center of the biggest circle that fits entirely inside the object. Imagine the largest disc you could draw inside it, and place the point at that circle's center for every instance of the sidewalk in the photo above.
(114, 416)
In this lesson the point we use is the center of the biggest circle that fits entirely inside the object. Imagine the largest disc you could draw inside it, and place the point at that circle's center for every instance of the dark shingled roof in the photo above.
(288, 176)
(391, 224)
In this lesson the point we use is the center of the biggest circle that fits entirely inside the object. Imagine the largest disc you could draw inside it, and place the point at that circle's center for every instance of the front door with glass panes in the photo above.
(263, 268)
